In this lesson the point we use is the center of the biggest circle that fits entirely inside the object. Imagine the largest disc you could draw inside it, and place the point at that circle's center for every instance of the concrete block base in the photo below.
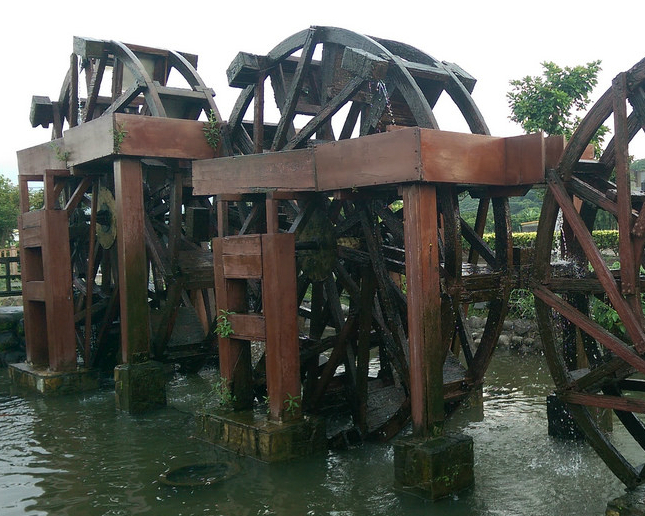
(48, 382)
(434, 468)
(562, 425)
(631, 503)
(251, 434)
(140, 387)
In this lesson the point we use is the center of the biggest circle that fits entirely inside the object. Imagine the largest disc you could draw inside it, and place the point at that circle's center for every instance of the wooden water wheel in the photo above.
(589, 307)
(329, 85)
(107, 77)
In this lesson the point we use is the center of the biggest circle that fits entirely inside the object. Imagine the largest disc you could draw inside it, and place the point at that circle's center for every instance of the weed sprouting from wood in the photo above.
(212, 130)
(224, 328)
(119, 135)
(61, 155)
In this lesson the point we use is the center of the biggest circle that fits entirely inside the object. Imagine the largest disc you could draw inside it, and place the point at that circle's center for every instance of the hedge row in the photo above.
(605, 239)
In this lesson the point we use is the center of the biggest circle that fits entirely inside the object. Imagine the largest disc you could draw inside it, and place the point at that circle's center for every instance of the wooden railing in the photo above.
(10, 284)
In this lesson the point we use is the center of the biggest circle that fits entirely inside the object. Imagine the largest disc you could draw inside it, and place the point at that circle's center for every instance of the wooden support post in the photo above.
(133, 271)
(280, 313)
(234, 354)
(258, 115)
(424, 308)
(59, 306)
(273, 223)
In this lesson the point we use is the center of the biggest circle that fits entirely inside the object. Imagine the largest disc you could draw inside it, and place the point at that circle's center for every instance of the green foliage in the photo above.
(604, 239)
(119, 135)
(638, 165)
(550, 102)
(61, 155)
(36, 199)
(607, 317)
(9, 210)
(224, 328)
(212, 130)
(291, 404)
(219, 393)
(521, 304)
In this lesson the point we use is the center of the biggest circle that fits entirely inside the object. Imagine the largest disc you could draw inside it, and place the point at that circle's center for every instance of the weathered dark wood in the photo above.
(618, 347)
(632, 324)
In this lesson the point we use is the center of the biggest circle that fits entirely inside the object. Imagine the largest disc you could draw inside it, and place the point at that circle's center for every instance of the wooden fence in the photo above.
(10, 284)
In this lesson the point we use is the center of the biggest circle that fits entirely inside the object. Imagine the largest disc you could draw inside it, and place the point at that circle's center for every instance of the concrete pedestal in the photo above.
(631, 503)
(140, 387)
(48, 382)
(434, 468)
(562, 425)
(250, 433)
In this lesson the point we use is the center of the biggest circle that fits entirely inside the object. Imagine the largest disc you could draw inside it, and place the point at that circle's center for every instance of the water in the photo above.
(76, 455)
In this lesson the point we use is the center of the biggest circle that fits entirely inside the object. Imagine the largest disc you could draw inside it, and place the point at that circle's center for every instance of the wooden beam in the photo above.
(133, 270)
(280, 313)
(424, 309)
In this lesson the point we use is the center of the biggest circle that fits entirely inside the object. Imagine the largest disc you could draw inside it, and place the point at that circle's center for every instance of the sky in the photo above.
(495, 41)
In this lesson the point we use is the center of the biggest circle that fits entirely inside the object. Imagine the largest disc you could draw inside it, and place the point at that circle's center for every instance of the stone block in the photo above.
(47, 382)
(140, 387)
(434, 468)
(251, 434)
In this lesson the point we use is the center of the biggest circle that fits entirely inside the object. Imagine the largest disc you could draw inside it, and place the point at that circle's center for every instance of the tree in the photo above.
(9, 210)
(551, 102)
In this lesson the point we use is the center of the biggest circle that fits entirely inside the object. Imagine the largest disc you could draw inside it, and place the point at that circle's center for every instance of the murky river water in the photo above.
(76, 455)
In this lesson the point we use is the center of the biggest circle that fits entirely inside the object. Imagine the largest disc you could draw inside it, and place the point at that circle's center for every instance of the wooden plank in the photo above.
(248, 326)
(242, 245)
(424, 309)
(553, 149)
(382, 158)
(34, 160)
(234, 354)
(292, 170)
(481, 159)
(163, 137)
(242, 267)
(281, 312)
(30, 232)
(525, 159)
(133, 270)
(601, 401)
(142, 136)
(57, 275)
(34, 291)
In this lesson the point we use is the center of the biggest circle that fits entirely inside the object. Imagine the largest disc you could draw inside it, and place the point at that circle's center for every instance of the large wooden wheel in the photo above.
(331, 84)
(595, 364)
(108, 77)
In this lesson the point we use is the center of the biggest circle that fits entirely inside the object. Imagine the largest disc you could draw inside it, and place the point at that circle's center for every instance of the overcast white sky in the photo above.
(495, 41)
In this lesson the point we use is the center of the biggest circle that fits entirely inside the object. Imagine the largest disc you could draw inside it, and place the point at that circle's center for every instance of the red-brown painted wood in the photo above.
(280, 312)
(424, 308)
(133, 271)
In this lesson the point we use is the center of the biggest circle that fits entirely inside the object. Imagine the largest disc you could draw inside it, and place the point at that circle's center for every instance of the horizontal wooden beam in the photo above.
(397, 157)
(136, 136)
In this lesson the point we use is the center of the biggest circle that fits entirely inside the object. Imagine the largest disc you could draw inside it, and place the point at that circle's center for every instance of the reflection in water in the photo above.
(76, 455)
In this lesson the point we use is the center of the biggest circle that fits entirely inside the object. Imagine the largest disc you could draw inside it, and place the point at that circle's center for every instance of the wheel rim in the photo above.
(594, 364)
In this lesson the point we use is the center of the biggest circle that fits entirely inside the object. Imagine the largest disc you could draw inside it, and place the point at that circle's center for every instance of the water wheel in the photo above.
(589, 307)
(108, 77)
(332, 84)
